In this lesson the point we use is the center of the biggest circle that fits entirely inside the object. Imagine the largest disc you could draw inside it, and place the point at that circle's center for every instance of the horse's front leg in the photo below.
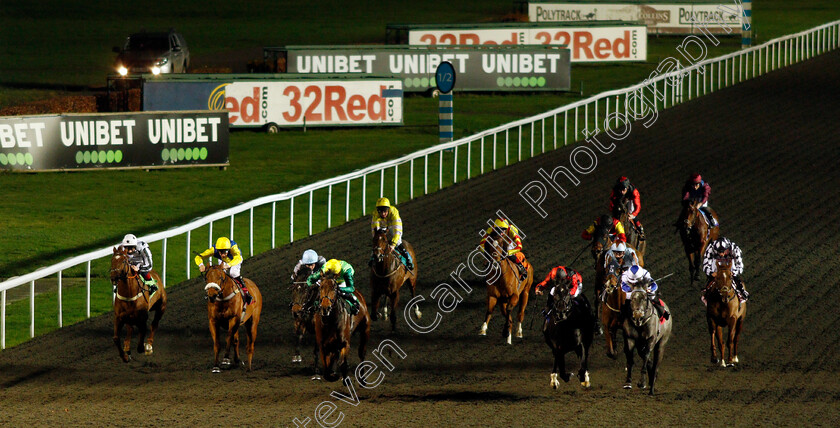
(731, 341)
(141, 333)
(233, 330)
(491, 304)
(392, 303)
(129, 328)
(118, 325)
(374, 305)
(719, 335)
(155, 322)
(583, 354)
(342, 360)
(506, 309)
(214, 328)
(711, 324)
(610, 331)
(523, 302)
(644, 355)
(299, 332)
(629, 348)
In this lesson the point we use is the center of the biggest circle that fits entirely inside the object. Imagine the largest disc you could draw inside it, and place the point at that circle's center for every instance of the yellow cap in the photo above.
(223, 243)
(501, 224)
(383, 202)
(333, 266)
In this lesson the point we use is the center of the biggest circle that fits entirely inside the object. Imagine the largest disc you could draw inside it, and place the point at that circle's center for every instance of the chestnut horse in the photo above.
(505, 288)
(610, 301)
(387, 275)
(132, 305)
(724, 309)
(696, 234)
(569, 328)
(225, 309)
(646, 333)
(334, 325)
(304, 304)
(633, 236)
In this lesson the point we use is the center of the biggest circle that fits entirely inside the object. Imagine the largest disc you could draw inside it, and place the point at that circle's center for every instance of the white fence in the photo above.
(484, 148)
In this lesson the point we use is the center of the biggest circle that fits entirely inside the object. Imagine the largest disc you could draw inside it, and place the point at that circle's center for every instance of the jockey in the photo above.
(616, 229)
(639, 275)
(723, 248)
(311, 260)
(388, 217)
(510, 235)
(620, 258)
(343, 273)
(697, 190)
(140, 258)
(622, 193)
(228, 252)
(561, 273)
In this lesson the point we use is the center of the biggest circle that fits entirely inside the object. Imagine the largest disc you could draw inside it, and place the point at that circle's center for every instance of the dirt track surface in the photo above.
(770, 149)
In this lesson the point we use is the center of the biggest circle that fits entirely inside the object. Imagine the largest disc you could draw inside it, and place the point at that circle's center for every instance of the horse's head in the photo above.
(723, 279)
(691, 213)
(380, 244)
(640, 307)
(214, 279)
(328, 294)
(120, 267)
(302, 295)
(562, 299)
(494, 249)
(601, 239)
(610, 281)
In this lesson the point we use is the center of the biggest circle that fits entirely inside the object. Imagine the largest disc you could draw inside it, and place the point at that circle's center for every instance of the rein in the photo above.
(125, 273)
(392, 273)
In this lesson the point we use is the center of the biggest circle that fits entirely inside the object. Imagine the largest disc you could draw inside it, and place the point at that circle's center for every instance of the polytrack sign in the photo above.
(588, 43)
(284, 101)
(661, 17)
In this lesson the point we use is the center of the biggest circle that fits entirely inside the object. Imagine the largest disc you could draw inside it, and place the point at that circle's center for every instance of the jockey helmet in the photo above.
(635, 274)
(333, 266)
(309, 257)
(696, 178)
(383, 203)
(622, 183)
(129, 240)
(722, 244)
(605, 220)
(501, 224)
(618, 247)
(223, 243)
(562, 274)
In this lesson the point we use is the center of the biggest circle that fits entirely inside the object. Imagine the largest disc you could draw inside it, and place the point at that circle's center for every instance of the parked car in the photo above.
(153, 52)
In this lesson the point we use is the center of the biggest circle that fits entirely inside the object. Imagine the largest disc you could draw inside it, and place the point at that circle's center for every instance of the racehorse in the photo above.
(505, 288)
(633, 235)
(569, 328)
(304, 304)
(132, 305)
(696, 234)
(724, 309)
(610, 310)
(601, 241)
(225, 308)
(334, 325)
(646, 333)
(387, 275)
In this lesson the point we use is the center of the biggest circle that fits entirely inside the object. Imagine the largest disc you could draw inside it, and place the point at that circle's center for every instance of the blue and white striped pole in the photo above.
(445, 113)
(746, 24)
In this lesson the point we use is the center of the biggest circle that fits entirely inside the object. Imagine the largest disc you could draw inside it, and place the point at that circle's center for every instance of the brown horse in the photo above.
(610, 311)
(601, 241)
(132, 304)
(724, 309)
(304, 304)
(633, 236)
(387, 275)
(334, 325)
(696, 234)
(505, 288)
(225, 309)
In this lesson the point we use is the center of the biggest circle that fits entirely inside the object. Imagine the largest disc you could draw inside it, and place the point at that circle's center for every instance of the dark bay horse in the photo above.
(505, 288)
(724, 309)
(132, 305)
(225, 310)
(387, 276)
(569, 328)
(304, 304)
(696, 234)
(610, 310)
(646, 333)
(601, 241)
(633, 236)
(334, 325)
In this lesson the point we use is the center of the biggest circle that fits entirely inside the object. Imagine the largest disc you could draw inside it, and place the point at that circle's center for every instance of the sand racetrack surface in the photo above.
(769, 147)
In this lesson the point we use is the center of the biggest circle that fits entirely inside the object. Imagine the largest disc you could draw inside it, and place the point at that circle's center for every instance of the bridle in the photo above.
(123, 273)
(379, 255)
(645, 313)
(219, 288)
(609, 288)
(302, 297)
(562, 296)
(326, 310)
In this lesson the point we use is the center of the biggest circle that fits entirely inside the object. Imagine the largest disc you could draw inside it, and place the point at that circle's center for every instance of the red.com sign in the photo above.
(619, 43)
(327, 103)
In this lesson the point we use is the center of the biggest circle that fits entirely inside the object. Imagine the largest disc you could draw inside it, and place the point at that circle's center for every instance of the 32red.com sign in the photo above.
(324, 103)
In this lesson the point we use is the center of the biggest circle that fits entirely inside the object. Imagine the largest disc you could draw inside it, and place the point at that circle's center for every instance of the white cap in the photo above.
(129, 241)
(309, 257)
(618, 247)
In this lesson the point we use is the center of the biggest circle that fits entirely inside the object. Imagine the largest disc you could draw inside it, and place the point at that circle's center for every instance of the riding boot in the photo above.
(641, 230)
(409, 264)
(660, 309)
(150, 282)
(354, 304)
(245, 294)
(739, 286)
(523, 271)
